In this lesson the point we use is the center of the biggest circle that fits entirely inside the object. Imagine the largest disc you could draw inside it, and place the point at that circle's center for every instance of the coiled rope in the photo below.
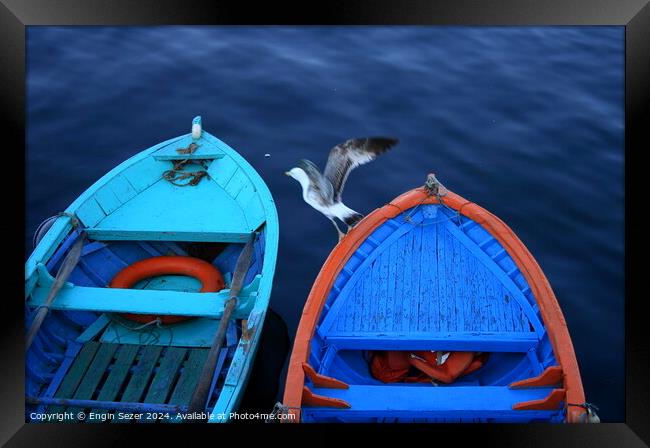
(433, 186)
(177, 174)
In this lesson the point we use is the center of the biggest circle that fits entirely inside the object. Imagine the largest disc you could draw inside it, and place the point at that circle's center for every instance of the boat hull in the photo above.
(130, 214)
(420, 274)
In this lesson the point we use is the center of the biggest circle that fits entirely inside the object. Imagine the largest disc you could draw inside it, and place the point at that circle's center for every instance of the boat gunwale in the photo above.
(552, 316)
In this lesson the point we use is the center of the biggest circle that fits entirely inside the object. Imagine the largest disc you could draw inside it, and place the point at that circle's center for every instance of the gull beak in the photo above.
(286, 173)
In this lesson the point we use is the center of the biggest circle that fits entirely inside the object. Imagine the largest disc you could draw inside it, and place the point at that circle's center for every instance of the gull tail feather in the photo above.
(346, 214)
(353, 219)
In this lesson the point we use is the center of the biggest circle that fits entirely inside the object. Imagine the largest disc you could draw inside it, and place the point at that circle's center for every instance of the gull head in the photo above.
(297, 173)
(300, 175)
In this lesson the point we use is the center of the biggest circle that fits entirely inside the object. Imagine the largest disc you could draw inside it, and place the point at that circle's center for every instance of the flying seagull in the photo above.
(323, 191)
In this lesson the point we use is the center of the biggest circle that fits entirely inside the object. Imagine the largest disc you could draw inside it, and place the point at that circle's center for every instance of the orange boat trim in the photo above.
(552, 401)
(311, 399)
(550, 376)
(549, 308)
(322, 380)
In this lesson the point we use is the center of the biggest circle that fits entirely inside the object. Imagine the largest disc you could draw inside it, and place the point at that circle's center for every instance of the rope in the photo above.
(414, 209)
(73, 218)
(189, 150)
(279, 409)
(433, 223)
(587, 406)
(591, 409)
(176, 174)
(432, 186)
(148, 329)
(171, 333)
(47, 224)
(137, 327)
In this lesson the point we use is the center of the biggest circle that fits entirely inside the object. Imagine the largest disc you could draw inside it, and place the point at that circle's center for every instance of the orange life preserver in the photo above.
(389, 367)
(209, 276)
(397, 366)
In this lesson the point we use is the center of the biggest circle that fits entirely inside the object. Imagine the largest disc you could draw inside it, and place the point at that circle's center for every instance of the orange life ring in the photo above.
(209, 276)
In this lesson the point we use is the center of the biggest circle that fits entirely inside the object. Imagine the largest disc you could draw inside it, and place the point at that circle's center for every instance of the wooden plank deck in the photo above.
(428, 279)
(94, 374)
(142, 373)
(75, 374)
(164, 211)
(104, 375)
(123, 362)
(189, 377)
(165, 378)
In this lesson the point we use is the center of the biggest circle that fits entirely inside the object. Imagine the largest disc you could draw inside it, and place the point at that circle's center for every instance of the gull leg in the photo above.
(341, 234)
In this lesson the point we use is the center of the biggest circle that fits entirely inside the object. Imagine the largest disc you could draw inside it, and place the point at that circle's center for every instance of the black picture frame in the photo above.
(634, 15)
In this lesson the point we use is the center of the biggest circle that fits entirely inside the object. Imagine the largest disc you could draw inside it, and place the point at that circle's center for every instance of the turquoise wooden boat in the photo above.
(191, 196)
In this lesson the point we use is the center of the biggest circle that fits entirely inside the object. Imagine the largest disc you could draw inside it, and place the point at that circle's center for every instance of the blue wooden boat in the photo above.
(434, 273)
(191, 196)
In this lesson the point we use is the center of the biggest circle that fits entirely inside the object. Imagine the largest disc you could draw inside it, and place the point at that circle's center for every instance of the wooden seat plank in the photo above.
(138, 301)
(74, 376)
(141, 374)
(465, 341)
(165, 377)
(94, 374)
(432, 402)
(123, 362)
(189, 377)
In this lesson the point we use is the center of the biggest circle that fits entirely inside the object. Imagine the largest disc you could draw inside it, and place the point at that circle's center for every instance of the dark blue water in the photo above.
(527, 122)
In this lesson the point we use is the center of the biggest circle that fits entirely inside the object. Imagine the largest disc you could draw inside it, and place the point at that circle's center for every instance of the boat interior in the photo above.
(430, 279)
(88, 350)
